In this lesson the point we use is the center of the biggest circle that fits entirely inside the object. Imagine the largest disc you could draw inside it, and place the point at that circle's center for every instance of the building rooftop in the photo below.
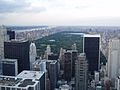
(26, 82)
(15, 82)
(17, 40)
(91, 35)
(70, 51)
(30, 74)
(9, 81)
(39, 61)
(9, 60)
(82, 55)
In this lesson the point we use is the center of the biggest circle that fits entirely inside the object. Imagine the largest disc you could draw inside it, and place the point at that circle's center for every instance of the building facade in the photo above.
(32, 54)
(68, 66)
(74, 58)
(11, 34)
(9, 67)
(81, 73)
(3, 37)
(91, 47)
(18, 50)
(114, 58)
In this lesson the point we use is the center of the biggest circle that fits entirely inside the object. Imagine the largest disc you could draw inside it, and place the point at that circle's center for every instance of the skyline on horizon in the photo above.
(60, 12)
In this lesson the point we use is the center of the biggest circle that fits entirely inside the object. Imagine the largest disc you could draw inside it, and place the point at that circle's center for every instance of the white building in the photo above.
(48, 49)
(118, 83)
(26, 80)
(33, 54)
(3, 37)
(113, 65)
(39, 65)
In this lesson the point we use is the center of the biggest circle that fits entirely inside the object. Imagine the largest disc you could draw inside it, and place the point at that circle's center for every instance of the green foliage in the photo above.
(63, 39)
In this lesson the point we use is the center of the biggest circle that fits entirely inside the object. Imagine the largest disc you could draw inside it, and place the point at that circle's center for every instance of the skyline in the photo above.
(60, 12)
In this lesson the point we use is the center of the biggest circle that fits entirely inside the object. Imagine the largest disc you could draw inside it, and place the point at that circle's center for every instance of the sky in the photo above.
(60, 12)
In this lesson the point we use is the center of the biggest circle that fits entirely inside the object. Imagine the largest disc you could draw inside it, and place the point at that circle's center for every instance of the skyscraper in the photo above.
(32, 54)
(47, 52)
(53, 74)
(74, 58)
(48, 49)
(114, 58)
(68, 66)
(91, 47)
(61, 58)
(18, 50)
(81, 72)
(51, 67)
(3, 37)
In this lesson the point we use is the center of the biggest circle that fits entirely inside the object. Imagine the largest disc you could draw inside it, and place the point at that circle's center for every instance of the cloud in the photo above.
(11, 6)
(34, 10)
(59, 11)
(7, 6)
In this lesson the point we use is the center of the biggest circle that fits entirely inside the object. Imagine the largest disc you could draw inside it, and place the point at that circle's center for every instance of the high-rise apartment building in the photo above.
(81, 73)
(32, 54)
(18, 50)
(91, 47)
(69, 64)
(61, 58)
(3, 37)
(114, 58)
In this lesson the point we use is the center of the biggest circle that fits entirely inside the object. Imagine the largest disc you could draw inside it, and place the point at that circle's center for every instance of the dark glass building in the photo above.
(42, 80)
(11, 34)
(53, 74)
(18, 50)
(9, 67)
(74, 58)
(91, 47)
(68, 66)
